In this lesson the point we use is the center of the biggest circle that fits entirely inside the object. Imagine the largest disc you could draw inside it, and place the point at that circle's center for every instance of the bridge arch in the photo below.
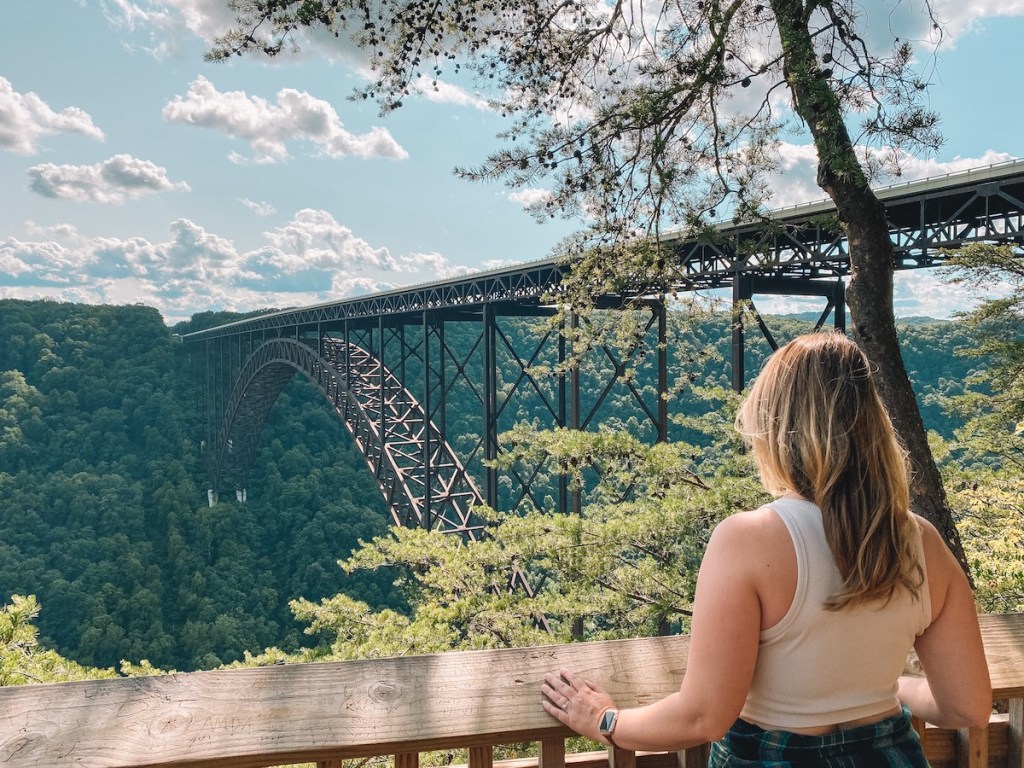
(423, 482)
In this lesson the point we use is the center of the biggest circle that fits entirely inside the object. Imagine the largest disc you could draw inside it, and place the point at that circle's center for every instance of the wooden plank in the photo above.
(407, 760)
(248, 718)
(1003, 635)
(998, 741)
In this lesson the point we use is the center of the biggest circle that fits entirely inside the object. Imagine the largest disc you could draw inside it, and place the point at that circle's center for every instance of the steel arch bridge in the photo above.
(454, 341)
(386, 422)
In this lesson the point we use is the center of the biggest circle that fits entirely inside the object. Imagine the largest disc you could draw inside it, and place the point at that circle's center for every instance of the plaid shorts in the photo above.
(889, 743)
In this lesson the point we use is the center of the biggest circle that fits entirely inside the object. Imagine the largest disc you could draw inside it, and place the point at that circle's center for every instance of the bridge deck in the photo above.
(946, 211)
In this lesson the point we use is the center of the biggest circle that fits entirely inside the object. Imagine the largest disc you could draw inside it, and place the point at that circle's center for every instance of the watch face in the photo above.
(608, 721)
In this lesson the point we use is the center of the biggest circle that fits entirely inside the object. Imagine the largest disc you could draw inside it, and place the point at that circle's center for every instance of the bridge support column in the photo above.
(568, 410)
(426, 518)
(574, 410)
(563, 380)
(741, 292)
(490, 435)
(383, 394)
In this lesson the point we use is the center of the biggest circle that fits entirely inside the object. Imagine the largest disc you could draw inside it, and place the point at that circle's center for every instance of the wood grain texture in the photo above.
(273, 715)
(1004, 648)
(246, 718)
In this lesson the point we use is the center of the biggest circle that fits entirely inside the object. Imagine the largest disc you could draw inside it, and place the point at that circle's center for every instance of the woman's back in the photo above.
(818, 668)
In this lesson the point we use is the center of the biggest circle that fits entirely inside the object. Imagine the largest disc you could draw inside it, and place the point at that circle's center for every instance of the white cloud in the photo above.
(432, 266)
(120, 178)
(315, 254)
(258, 207)
(267, 127)
(25, 118)
(357, 286)
(797, 165)
(442, 92)
(311, 259)
(922, 293)
(795, 180)
(497, 263)
(40, 263)
(958, 17)
(314, 240)
(167, 24)
(909, 21)
(920, 168)
(916, 293)
(11, 263)
(530, 197)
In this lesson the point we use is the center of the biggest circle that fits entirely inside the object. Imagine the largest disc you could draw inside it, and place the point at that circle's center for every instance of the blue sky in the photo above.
(133, 171)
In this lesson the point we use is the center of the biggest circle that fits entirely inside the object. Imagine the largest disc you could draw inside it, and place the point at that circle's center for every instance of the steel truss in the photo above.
(370, 354)
(368, 373)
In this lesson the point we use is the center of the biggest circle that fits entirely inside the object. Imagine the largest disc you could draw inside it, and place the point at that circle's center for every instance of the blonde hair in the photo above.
(817, 427)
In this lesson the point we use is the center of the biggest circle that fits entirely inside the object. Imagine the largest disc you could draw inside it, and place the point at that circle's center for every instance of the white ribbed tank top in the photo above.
(819, 667)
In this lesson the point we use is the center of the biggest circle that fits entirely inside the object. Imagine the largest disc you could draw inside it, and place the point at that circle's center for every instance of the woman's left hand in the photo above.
(576, 702)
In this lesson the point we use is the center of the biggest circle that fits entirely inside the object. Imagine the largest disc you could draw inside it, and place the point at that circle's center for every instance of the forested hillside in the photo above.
(103, 513)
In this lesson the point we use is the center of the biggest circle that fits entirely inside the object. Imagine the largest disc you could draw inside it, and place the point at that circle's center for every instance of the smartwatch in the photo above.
(606, 726)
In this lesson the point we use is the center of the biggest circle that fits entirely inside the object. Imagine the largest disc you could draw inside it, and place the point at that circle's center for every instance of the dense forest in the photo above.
(105, 517)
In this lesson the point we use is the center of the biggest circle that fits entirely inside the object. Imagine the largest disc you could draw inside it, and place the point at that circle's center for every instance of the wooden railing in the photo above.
(324, 713)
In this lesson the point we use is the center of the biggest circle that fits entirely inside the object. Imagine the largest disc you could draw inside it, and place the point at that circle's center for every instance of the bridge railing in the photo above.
(402, 707)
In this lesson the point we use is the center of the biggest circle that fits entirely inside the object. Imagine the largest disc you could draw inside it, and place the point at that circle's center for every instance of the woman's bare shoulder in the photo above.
(753, 519)
(935, 549)
(755, 529)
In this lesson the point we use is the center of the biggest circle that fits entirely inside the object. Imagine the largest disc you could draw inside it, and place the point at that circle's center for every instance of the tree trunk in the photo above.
(870, 291)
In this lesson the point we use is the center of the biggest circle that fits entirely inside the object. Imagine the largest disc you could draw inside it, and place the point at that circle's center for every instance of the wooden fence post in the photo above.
(695, 757)
(972, 748)
(1015, 737)
(552, 754)
(481, 757)
(621, 758)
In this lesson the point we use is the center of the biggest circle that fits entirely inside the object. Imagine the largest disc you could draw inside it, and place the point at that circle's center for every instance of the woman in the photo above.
(806, 608)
